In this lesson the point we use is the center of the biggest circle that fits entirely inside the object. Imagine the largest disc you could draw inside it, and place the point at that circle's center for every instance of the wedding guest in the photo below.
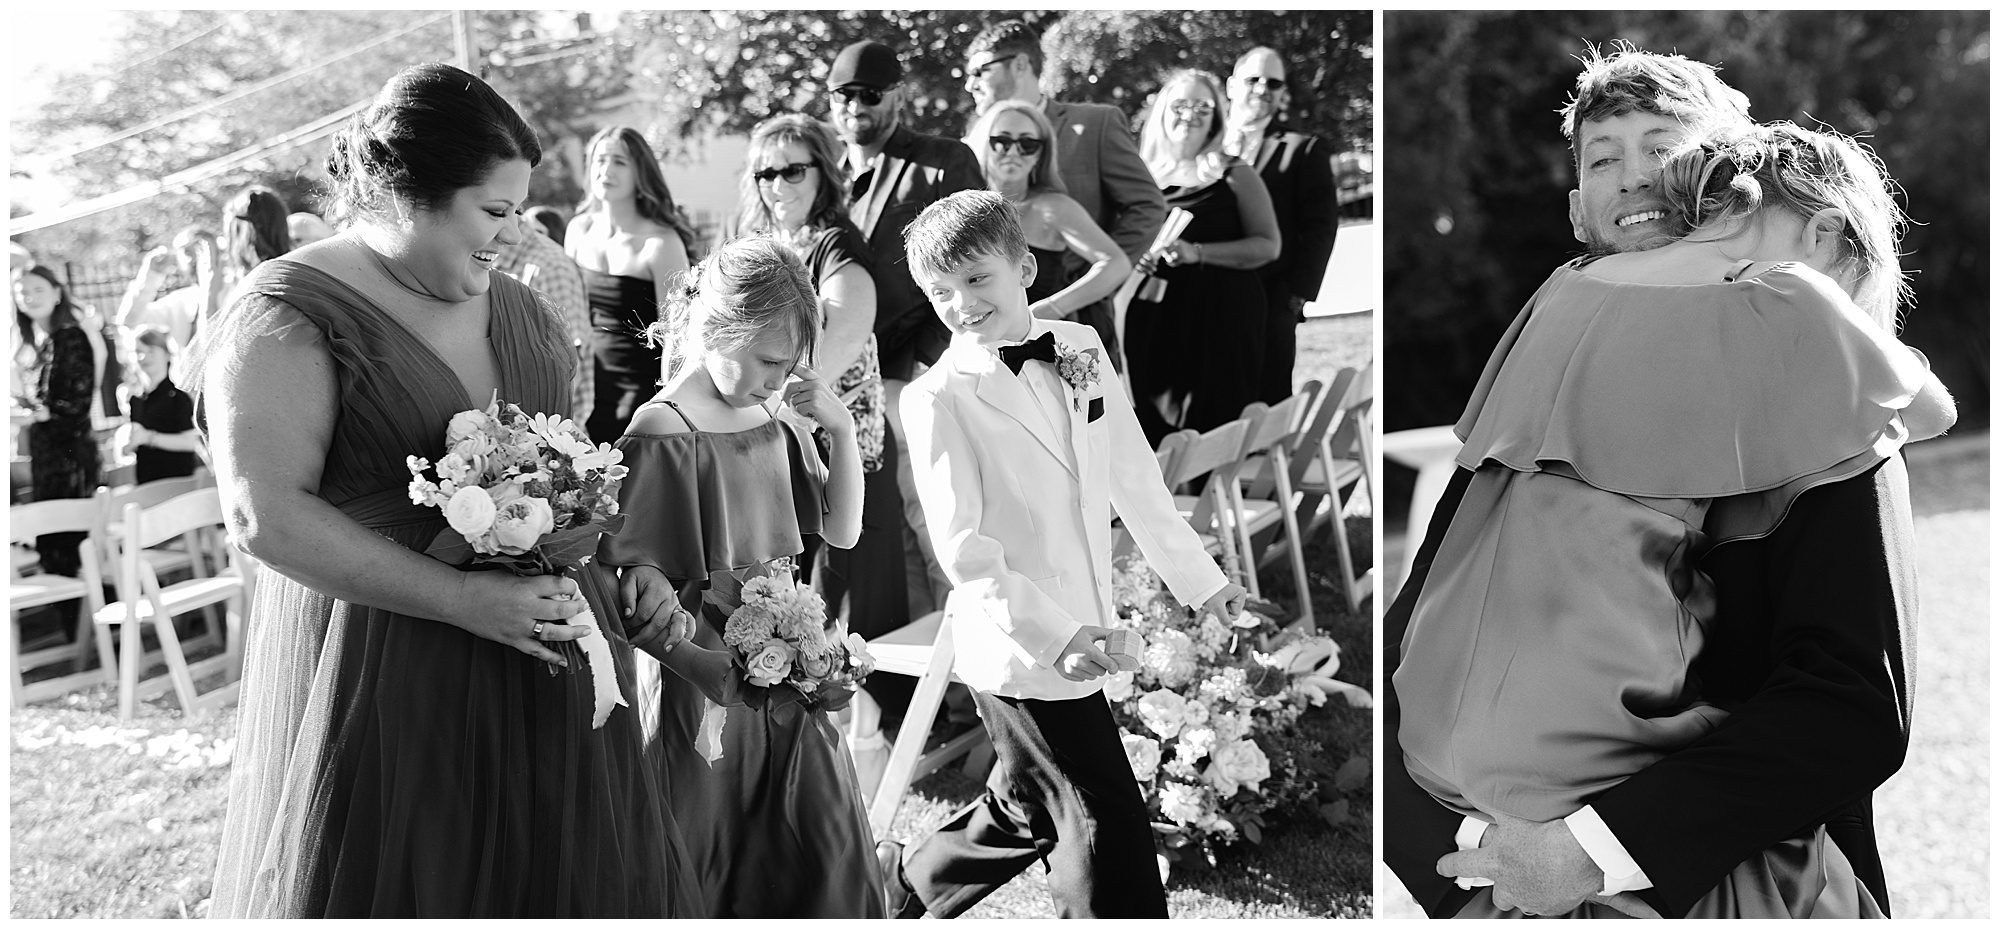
(538, 261)
(795, 191)
(1098, 155)
(402, 748)
(549, 219)
(307, 228)
(1298, 172)
(54, 357)
(721, 491)
(1195, 353)
(193, 251)
(629, 239)
(1017, 152)
(894, 172)
(161, 436)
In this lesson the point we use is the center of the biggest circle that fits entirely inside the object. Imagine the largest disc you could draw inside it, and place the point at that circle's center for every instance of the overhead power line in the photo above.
(177, 46)
(259, 87)
(303, 135)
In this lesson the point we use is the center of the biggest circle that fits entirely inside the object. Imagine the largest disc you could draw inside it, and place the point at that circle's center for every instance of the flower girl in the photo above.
(723, 491)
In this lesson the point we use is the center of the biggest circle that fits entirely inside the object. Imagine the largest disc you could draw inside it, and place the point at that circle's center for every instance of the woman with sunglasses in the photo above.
(1195, 351)
(794, 190)
(1013, 140)
(629, 239)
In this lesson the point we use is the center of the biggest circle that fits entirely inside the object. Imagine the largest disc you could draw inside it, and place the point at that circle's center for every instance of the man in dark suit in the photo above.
(1098, 155)
(1298, 170)
(894, 172)
(1812, 650)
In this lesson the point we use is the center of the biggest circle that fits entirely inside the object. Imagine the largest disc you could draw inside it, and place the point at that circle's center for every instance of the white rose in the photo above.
(1228, 726)
(1164, 712)
(1143, 754)
(467, 423)
(1118, 687)
(772, 663)
(1237, 764)
(520, 524)
(470, 511)
(1197, 713)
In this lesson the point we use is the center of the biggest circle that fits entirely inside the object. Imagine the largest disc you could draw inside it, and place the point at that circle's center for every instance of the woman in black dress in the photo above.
(61, 374)
(1195, 351)
(629, 240)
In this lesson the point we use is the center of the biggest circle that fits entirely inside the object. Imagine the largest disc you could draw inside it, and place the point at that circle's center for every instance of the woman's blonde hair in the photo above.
(732, 298)
(1210, 162)
(1728, 172)
(1045, 176)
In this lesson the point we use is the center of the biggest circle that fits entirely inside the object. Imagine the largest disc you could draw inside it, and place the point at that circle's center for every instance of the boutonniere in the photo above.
(1078, 369)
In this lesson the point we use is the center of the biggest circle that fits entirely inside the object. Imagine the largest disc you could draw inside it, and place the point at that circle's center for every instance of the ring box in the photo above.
(1124, 646)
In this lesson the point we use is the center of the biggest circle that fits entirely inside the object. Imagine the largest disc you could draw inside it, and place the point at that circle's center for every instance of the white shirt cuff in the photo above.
(1469, 833)
(1621, 873)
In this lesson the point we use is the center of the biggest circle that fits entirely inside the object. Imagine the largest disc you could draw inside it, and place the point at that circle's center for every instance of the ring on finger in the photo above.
(536, 632)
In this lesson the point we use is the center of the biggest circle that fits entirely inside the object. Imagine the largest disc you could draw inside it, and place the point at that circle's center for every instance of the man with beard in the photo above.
(1299, 173)
(894, 173)
(1097, 153)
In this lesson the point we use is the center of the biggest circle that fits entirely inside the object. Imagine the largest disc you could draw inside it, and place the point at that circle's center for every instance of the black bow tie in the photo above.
(1042, 348)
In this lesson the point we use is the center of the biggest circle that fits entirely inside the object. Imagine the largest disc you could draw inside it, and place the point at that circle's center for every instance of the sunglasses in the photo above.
(792, 173)
(869, 96)
(1029, 145)
(1270, 83)
(982, 69)
(1191, 107)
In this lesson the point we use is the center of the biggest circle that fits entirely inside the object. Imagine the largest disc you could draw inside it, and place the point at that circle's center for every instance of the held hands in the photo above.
(1081, 660)
(1539, 869)
(1227, 603)
(507, 609)
(646, 595)
(810, 396)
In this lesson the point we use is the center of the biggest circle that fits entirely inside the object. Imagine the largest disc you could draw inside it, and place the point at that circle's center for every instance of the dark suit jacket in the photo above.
(1813, 654)
(1099, 160)
(916, 170)
(1298, 171)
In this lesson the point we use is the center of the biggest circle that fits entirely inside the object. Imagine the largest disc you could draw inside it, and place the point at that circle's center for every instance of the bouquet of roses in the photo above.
(779, 635)
(532, 495)
(1210, 716)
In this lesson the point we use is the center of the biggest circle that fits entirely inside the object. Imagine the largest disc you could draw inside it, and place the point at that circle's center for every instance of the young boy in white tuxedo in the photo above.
(1022, 447)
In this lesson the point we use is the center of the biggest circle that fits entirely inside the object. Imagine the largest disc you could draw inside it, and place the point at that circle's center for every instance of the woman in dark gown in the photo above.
(403, 747)
(1194, 352)
(55, 354)
(628, 239)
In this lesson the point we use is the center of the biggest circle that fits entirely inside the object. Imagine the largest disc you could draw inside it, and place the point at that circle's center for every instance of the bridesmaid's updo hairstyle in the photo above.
(432, 131)
(1729, 172)
(736, 295)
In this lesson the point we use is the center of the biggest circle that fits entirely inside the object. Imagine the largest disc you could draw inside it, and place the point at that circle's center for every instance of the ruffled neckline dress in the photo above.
(1618, 432)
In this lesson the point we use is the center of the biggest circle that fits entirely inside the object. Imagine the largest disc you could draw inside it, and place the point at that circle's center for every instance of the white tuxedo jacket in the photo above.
(1021, 519)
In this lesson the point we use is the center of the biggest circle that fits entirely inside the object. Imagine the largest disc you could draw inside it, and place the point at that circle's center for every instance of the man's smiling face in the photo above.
(1616, 205)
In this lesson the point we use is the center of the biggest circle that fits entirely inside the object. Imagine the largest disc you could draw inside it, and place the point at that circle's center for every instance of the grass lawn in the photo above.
(111, 820)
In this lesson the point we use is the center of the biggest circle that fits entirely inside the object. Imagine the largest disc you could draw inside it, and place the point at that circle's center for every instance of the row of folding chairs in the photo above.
(1258, 489)
(162, 547)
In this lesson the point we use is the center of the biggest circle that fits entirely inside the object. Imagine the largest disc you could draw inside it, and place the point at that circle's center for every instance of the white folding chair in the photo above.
(1212, 456)
(28, 591)
(923, 650)
(145, 600)
(197, 556)
(1268, 433)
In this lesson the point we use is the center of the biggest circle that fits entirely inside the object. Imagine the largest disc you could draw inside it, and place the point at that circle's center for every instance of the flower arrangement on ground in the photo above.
(1208, 716)
(779, 635)
(529, 494)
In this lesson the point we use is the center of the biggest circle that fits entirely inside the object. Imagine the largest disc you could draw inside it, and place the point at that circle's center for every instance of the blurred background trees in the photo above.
(1474, 214)
(684, 78)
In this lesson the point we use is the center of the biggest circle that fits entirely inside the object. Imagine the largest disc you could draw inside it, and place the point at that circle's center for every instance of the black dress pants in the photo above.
(1062, 794)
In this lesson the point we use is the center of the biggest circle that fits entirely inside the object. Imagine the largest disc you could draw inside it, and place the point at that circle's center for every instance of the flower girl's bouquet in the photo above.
(779, 635)
(532, 495)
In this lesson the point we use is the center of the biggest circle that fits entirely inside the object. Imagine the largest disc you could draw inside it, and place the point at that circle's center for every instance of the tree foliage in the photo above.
(1473, 203)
